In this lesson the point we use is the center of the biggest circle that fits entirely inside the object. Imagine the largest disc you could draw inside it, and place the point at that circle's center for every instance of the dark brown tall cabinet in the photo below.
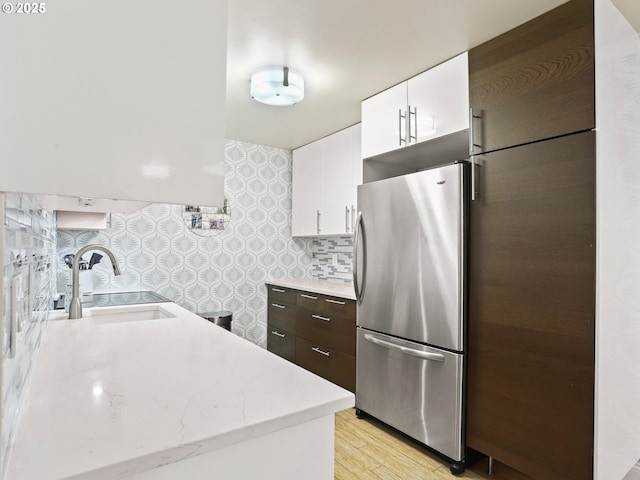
(532, 247)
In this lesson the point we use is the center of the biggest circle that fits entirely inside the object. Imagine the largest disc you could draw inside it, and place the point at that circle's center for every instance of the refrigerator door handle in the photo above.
(358, 228)
(436, 357)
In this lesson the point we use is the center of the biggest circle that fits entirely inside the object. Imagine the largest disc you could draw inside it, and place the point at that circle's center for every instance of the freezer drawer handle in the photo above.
(320, 317)
(317, 350)
(308, 296)
(278, 334)
(409, 351)
(277, 305)
(278, 290)
(336, 302)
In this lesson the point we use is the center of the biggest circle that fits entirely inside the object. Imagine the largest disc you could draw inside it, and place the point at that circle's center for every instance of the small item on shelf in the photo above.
(206, 221)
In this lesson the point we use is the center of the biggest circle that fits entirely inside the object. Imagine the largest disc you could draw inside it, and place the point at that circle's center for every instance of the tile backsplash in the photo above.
(28, 244)
(332, 258)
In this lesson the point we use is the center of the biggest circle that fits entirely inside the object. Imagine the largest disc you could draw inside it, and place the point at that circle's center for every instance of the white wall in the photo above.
(617, 400)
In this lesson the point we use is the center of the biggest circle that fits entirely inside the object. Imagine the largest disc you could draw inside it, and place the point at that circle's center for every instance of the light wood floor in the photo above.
(366, 449)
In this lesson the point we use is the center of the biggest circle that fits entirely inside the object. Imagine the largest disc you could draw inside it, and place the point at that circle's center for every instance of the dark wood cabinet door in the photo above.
(281, 294)
(282, 315)
(335, 366)
(327, 329)
(281, 342)
(536, 81)
(532, 308)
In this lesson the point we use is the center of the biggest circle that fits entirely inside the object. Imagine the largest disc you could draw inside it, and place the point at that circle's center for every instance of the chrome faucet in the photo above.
(75, 307)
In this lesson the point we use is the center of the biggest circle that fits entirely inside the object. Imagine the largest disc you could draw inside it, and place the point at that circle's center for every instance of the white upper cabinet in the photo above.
(326, 174)
(384, 125)
(115, 100)
(427, 106)
(306, 195)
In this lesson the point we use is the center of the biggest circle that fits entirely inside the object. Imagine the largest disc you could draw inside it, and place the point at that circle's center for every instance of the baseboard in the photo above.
(634, 474)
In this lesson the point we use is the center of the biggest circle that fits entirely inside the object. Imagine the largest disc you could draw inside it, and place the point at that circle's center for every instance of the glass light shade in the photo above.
(267, 86)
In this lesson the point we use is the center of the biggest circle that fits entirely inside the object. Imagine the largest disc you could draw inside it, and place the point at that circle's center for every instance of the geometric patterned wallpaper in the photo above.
(157, 251)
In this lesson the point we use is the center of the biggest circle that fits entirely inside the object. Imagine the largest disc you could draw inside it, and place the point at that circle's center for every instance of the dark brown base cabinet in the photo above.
(532, 310)
(315, 331)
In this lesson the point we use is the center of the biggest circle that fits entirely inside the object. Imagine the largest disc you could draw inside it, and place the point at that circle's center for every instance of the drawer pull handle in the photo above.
(320, 317)
(279, 290)
(278, 334)
(317, 350)
(336, 302)
(308, 296)
(277, 305)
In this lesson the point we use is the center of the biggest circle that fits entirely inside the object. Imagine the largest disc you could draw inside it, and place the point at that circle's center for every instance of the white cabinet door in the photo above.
(119, 100)
(383, 122)
(340, 153)
(439, 100)
(436, 103)
(325, 177)
(306, 195)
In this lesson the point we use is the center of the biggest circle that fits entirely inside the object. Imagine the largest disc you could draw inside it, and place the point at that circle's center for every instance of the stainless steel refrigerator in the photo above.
(410, 280)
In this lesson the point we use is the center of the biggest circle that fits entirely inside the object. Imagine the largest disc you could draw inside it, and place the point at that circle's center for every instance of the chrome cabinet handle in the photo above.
(346, 218)
(359, 227)
(278, 290)
(472, 132)
(278, 334)
(436, 357)
(318, 221)
(277, 305)
(473, 177)
(415, 124)
(320, 317)
(353, 219)
(476, 170)
(400, 117)
(308, 296)
(335, 301)
(317, 350)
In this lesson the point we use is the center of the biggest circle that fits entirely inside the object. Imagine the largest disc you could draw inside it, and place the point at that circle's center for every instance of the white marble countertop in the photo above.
(324, 287)
(107, 400)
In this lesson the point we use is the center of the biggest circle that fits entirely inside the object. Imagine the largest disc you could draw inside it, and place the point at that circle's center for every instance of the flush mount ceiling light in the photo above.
(277, 86)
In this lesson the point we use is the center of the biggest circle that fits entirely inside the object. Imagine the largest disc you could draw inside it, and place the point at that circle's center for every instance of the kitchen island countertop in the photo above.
(110, 400)
(324, 287)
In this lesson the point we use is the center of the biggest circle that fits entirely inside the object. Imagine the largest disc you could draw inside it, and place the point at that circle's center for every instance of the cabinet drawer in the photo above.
(281, 294)
(335, 366)
(281, 342)
(325, 304)
(309, 300)
(282, 315)
(327, 329)
(340, 306)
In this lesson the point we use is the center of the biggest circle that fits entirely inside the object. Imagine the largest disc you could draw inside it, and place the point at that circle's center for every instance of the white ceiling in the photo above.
(347, 50)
